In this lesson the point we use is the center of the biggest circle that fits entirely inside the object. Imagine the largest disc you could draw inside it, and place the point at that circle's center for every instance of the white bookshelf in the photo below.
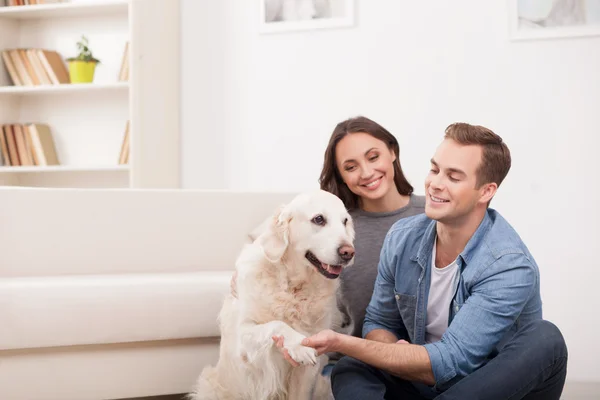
(66, 9)
(63, 168)
(88, 120)
(64, 88)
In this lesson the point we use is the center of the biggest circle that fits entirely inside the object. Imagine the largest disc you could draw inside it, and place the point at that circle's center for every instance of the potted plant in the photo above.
(82, 67)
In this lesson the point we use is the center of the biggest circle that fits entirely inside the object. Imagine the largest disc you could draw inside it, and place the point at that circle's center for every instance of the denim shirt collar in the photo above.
(424, 250)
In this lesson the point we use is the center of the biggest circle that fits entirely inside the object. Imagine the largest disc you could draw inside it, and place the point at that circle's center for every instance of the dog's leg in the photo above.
(322, 389)
(257, 347)
(256, 339)
(302, 382)
(322, 384)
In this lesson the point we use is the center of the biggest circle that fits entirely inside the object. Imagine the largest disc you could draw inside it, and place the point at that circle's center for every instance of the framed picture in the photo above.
(544, 19)
(298, 15)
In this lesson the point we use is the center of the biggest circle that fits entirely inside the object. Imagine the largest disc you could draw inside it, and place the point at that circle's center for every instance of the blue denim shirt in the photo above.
(498, 291)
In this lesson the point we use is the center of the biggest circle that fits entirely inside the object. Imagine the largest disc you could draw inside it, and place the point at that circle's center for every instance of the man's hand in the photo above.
(233, 284)
(324, 342)
(279, 343)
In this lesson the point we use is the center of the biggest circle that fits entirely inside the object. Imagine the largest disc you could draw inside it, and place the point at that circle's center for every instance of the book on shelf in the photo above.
(124, 71)
(27, 145)
(28, 2)
(124, 155)
(32, 67)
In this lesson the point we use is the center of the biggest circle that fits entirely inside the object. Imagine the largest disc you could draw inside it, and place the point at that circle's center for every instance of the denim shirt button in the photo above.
(397, 297)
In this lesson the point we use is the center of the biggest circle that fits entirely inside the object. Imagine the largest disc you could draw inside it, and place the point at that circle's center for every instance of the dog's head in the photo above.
(314, 230)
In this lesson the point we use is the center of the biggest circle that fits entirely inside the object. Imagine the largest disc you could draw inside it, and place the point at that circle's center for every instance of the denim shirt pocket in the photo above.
(407, 306)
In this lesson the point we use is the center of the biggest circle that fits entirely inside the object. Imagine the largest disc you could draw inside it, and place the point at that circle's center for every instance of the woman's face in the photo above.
(366, 165)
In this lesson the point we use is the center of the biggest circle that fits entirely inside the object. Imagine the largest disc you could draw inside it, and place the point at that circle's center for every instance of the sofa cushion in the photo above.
(96, 309)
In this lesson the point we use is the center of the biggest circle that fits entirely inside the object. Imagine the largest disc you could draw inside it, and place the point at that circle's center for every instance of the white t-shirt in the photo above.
(441, 292)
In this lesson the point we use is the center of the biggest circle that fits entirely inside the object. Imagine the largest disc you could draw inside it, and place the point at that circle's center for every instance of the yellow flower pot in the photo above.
(82, 71)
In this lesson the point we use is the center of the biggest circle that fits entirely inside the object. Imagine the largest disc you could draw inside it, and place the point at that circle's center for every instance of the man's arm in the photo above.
(407, 361)
(381, 335)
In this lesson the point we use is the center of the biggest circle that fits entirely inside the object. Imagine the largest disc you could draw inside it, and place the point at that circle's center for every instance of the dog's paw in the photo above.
(302, 354)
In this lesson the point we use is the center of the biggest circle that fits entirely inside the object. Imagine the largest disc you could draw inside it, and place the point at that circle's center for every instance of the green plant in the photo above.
(85, 54)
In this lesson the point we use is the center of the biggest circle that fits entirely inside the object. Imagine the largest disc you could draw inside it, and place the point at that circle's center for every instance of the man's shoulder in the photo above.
(502, 238)
(409, 227)
(498, 248)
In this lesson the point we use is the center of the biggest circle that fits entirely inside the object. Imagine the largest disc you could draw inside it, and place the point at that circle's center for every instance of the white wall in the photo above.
(257, 111)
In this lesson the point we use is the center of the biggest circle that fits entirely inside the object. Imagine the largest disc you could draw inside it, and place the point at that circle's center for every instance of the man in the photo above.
(456, 310)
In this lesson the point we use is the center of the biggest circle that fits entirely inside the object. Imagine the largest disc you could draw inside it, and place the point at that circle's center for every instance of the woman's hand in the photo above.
(279, 343)
(233, 284)
(324, 342)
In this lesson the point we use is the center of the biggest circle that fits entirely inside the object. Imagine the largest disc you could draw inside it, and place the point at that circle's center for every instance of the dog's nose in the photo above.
(346, 252)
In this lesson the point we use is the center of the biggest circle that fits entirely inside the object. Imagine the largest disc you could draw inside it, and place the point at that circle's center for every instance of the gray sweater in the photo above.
(358, 280)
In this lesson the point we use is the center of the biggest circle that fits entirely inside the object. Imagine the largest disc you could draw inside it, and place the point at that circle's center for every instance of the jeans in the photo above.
(532, 366)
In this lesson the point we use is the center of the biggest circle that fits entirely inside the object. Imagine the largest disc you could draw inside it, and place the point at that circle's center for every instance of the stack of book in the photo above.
(27, 145)
(32, 67)
(28, 2)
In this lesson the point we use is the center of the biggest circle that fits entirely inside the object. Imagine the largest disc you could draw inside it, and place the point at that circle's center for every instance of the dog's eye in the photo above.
(318, 219)
(345, 221)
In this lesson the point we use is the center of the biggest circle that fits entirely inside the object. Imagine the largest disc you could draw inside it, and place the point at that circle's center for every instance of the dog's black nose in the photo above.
(346, 252)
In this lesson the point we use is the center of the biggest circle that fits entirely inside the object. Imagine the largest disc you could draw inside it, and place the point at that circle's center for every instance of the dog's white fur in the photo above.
(279, 292)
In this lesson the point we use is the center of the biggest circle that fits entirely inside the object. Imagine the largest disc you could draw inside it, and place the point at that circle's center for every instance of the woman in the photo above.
(362, 167)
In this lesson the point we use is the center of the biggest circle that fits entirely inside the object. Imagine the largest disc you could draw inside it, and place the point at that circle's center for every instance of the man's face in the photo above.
(451, 195)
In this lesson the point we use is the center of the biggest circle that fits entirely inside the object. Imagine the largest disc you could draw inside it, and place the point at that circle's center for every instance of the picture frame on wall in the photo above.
(301, 15)
(549, 19)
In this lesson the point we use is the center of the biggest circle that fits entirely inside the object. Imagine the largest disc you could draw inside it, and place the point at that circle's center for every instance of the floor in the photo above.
(581, 391)
(573, 391)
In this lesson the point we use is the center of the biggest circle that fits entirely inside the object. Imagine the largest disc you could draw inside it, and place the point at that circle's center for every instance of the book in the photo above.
(43, 144)
(124, 155)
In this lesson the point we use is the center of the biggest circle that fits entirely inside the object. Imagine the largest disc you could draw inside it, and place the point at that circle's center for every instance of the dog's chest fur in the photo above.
(306, 307)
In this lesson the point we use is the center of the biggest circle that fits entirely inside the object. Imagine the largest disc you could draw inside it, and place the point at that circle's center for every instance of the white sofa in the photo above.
(109, 294)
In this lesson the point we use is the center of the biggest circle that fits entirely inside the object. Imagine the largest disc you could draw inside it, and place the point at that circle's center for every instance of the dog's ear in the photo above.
(275, 239)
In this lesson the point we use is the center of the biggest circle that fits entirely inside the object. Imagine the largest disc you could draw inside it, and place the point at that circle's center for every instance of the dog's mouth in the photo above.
(327, 270)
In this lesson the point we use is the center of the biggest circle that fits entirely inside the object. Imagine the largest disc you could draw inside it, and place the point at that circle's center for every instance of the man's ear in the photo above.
(275, 239)
(488, 192)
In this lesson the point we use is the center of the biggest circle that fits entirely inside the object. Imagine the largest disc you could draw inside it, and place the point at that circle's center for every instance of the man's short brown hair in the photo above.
(495, 162)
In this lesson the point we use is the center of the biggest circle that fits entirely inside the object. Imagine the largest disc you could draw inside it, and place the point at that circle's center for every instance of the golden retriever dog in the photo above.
(286, 286)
